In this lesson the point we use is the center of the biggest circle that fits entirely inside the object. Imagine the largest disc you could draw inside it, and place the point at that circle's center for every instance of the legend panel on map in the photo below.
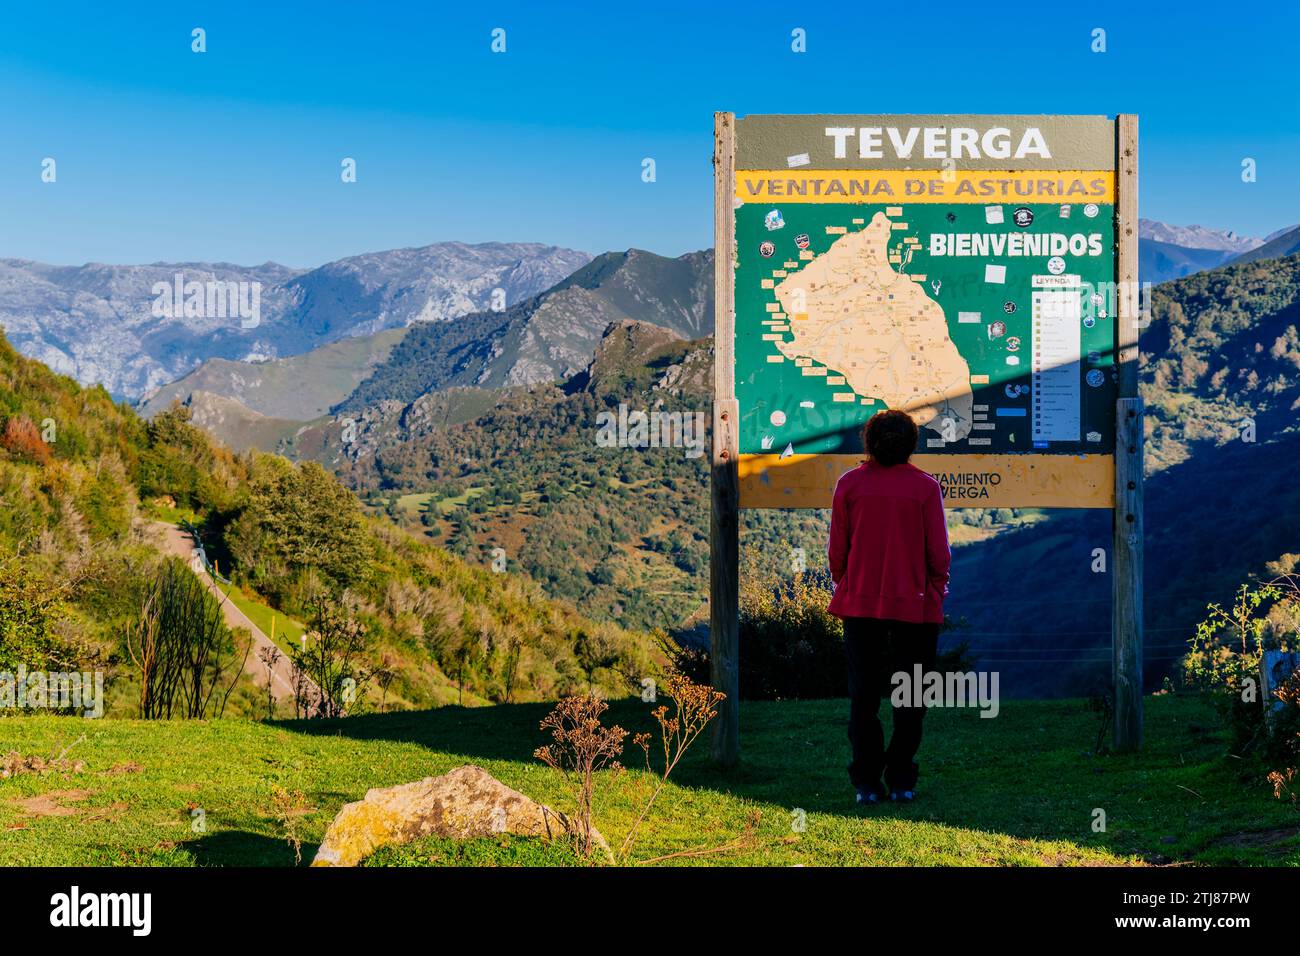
(1056, 364)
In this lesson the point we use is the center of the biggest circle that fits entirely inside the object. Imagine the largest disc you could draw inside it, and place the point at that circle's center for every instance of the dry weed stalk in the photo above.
(582, 745)
(270, 656)
(745, 841)
(694, 706)
(290, 806)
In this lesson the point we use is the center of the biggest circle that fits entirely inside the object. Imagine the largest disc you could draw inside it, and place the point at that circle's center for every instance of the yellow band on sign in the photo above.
(968, 481)
(924, 186)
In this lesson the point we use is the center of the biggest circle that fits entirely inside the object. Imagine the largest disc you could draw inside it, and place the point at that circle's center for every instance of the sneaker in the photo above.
(902, 796)
(870, 795)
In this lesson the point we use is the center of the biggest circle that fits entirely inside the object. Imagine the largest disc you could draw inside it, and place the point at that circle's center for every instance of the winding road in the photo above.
(179, 543)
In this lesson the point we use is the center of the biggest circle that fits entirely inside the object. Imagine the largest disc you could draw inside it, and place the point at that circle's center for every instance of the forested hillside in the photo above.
(617, 529)
(82, 479)
(1221, 381)
(1222, 348)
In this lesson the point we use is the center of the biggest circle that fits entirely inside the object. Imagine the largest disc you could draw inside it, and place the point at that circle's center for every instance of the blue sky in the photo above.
(234, 154)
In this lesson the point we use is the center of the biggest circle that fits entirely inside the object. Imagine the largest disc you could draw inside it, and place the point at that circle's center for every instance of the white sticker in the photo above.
(993, 215)
(995, 274)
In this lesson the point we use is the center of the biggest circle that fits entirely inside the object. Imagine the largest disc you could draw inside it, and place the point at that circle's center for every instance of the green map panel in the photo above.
(785, 409)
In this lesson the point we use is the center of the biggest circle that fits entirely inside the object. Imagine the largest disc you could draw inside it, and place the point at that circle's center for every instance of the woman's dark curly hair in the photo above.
(889, 437)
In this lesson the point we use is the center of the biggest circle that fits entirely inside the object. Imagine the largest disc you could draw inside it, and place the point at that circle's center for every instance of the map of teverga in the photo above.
(990, 324)
(878, 328)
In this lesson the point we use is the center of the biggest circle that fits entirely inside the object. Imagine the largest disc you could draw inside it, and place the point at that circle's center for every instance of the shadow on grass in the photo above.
(239, 848)
(500, 732)
(1028, 775)
(797, 753)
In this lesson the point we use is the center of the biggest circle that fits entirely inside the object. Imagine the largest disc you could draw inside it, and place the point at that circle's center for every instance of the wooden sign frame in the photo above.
(1124, 495)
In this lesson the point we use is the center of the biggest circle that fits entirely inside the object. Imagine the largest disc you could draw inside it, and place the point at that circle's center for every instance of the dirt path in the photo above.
(178, 542)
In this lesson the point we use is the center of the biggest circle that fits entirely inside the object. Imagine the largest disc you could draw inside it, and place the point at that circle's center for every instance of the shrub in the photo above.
(332, 658)
(583, 746)
(29, 609)
(22, 440)
(1225, 655)
(180, 646)
(792, 647)
(1285, 781)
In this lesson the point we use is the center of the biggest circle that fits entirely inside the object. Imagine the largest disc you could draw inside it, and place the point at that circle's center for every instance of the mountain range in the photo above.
(1285, 242)
(1170, 252)
(300, 387)
(546, 338)
(1197, 237)
(107, 324)
(551, 336)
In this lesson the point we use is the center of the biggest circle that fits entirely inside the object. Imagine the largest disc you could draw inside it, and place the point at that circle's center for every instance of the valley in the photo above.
(483, 436)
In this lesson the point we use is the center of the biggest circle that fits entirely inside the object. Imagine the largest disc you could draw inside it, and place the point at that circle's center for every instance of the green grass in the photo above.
(1021, 789)
(447, 505)
(173, 515)
(506, 850)
(411, 505)
(287, 630)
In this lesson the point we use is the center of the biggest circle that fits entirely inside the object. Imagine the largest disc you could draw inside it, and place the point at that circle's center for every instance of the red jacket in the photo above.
(888, 551)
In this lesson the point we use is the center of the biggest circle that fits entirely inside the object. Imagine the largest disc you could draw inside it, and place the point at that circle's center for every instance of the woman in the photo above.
(889, 560)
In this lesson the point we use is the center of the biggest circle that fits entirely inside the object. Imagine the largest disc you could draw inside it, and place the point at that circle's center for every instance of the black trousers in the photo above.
(876, 650)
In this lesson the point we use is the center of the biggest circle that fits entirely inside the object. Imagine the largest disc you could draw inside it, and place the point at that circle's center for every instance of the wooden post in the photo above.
(1126, 568)
(1126, 563)
(724, 524)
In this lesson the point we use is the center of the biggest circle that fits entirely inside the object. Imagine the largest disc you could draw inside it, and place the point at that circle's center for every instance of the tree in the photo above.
(180, 645)
(178, 460)
(299, 519)
(29, 609)
(333, 655)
